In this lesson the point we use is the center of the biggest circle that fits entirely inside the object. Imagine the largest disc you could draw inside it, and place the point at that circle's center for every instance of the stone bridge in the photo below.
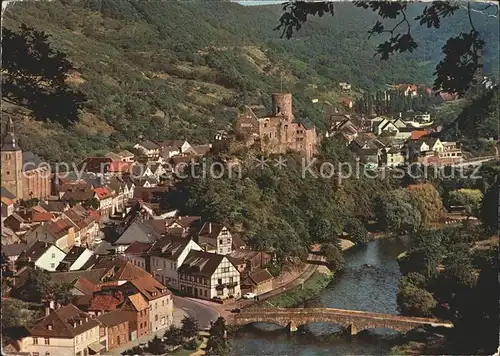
(351, 320)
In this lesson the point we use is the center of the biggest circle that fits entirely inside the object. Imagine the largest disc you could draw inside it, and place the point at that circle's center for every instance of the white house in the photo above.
(149, 148)
(75, 259)
(208, 275)
(167, 255)
(64, 331)
(43, 255)
(214, 237)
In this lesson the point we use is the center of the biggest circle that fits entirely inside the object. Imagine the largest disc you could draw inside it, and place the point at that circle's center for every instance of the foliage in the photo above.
(237, 59)
(454, 73)
(174, 335)
(490, 209)
(428, 202)
(34, 75)
(156, 346)
(37, 287)
(189, 327)
(191, 345)
(333, 256)
(415, 301)
(395, 212)
(91, 203)
(441, 267)
(217, 343)
(470, 198)
(15, 315)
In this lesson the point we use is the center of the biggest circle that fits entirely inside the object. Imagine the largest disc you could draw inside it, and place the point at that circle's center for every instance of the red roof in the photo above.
(119, 167)
(7, 201)
(39, 217)
(106, 302)
(415, 135)
(102, 192)
(95, 214)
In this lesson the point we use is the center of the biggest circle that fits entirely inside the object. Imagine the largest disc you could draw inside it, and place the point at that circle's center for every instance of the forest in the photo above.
(186, 69)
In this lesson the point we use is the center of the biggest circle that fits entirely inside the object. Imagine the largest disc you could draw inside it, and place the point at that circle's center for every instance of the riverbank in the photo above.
(306, 290)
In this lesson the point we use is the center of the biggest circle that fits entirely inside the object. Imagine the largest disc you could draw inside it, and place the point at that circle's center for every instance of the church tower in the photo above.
(12, 162)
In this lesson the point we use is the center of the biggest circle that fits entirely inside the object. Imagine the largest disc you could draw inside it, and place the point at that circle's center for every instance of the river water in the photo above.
(368, 282)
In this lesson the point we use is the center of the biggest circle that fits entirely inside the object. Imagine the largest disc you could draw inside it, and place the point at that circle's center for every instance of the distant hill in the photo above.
(199, 63)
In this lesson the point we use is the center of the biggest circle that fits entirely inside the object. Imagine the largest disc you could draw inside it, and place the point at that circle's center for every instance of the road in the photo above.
(201, 312)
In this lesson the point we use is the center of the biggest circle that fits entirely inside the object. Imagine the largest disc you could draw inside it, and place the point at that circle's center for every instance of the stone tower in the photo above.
(282, 105)
(12, 162)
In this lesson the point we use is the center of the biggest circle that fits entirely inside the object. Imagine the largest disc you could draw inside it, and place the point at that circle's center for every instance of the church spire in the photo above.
(9, 139)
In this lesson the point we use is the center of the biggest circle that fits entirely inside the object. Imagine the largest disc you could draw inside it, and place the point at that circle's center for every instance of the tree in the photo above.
(37, 287)
(427, 200)
(61, 293)
(394, 211)
(469, 198)
(454, 74)
(91, 203)
(15, 315)
(156, 346)
(34, 74)
(189, 327)
(356, 231)
(489, 208)
(334, 256)
(173, 336)
(415, 301)
(217, 343)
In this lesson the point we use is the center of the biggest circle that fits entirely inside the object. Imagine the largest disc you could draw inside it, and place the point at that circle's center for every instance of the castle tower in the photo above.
(282, 105)
(11, 162)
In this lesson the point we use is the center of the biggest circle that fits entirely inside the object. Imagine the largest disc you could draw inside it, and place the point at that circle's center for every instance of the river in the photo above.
(368, 282)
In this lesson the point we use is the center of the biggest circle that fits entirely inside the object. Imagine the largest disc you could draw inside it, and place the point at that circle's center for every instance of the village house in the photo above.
(113, 156)
(75, 259)
(64, 331)
(101, 301)
(183, 225)
(344, 86)
(105, 197)
(394, 157)
(140, 231)
(249, 260)
(7, 207)
(208, 275)
(10, 254)
(148, 148)
(116, 328)
(167, 255)
(138, 306)
(159, 298)
(172, 148)
(60, 232)
(126, 156)
(96, 165)
(216, 238)
(42, 255)
(406, 89)
(259, 281)
(279, 132)
(86, 224)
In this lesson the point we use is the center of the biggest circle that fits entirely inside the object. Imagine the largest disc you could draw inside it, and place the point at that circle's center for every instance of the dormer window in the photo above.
(49, 327)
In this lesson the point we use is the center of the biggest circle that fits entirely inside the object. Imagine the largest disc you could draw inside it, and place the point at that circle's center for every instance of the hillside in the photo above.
(185, 69)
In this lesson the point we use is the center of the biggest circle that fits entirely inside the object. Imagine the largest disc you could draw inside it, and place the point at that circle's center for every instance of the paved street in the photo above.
(201, 312)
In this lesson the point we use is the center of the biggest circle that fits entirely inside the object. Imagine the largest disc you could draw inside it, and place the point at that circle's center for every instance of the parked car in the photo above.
(249, 295)
(217, 299)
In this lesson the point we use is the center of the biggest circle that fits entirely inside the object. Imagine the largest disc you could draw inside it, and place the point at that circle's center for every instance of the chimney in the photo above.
(209, 227)
(47, 310)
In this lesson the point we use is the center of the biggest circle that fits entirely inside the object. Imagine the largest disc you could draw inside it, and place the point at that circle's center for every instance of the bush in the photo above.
(191, 345)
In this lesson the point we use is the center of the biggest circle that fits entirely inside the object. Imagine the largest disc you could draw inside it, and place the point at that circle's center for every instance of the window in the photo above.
(52, 265)
(47, 341)
(156, 305)
(231, 290)
(221, 241)
(47, 353)
(35, 341)
(53, 255)
(8, 172)
(162, 320)
(231, 279)
(219, 281)
(225, 269)
(205, 292)
(156, 317)
(162, 303)
(36, 354)
(220, 292)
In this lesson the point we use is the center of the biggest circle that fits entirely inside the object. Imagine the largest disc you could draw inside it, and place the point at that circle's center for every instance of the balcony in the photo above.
(232, 284)
(221, 286)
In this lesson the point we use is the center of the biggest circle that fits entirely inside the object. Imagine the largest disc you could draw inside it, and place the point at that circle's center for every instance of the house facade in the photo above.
(209, 275)
(214, 237)
(64, 331)
(43, 255)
